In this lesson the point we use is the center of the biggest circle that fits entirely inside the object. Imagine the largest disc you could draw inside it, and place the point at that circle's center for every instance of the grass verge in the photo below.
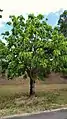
(16, 100)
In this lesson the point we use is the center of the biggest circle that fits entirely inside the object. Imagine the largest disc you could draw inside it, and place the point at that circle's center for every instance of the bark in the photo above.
(3, 74)
(32, 82)
(32, 87)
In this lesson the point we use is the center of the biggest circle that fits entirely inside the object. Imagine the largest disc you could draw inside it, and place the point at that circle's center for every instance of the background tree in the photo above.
(3, 61)
(63, 23)
(59, 47)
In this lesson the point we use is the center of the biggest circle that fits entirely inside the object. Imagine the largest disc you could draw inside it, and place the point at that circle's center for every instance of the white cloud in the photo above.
(21, 6)
(30, 6)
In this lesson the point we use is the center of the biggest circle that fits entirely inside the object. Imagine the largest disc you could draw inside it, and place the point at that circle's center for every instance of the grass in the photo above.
(14, 99)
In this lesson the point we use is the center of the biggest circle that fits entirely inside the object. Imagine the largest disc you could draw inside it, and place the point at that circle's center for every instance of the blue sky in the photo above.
(53, 17)
(50, 8)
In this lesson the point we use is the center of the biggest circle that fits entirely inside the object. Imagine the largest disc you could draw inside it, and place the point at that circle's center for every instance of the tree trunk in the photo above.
(32, 82)
(3, 74)
(32, 87)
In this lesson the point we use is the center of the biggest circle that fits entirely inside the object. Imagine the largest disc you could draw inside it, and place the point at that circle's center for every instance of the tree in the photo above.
(59, 57)
(28, 44)
(63, 23)
(34, 47)
(3, 61)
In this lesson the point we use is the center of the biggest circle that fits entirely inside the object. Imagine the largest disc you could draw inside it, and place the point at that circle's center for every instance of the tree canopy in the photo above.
(3, 61)
(27, 44)
(62, 22)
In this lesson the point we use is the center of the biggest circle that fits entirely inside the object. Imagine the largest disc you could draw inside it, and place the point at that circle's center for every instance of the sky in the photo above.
(27, 6)
(17, 7)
